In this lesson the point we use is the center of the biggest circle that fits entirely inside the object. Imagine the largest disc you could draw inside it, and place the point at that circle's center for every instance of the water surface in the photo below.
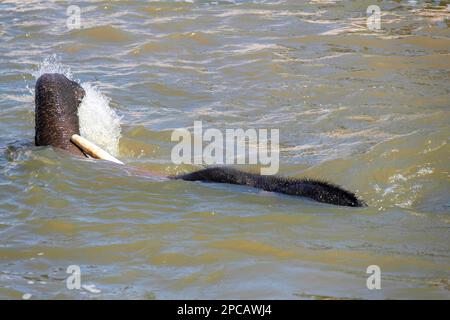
(366, 110)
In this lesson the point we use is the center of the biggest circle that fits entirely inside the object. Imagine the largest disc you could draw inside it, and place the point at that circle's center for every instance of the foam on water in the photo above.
(98, 122)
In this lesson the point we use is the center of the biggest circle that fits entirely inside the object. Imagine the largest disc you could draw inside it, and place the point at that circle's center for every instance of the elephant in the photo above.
(56, 111)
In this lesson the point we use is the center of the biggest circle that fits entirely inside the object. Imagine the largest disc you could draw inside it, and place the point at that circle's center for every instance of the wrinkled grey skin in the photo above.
(57, 101)
(56, 105)
(319, 191)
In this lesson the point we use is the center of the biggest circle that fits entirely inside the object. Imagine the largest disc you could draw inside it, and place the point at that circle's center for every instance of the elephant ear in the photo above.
(78, 91)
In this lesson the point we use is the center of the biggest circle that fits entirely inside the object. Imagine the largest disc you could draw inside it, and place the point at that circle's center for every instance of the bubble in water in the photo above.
(91, 288)
(27, 296)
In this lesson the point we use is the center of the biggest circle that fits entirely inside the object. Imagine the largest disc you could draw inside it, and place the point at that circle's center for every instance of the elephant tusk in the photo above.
(93, 150)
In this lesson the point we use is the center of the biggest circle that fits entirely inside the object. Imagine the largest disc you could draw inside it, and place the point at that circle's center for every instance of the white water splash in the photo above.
(51, 64)
(98, 122)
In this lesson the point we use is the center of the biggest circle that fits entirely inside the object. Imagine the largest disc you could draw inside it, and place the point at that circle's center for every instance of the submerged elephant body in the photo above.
(57, 100)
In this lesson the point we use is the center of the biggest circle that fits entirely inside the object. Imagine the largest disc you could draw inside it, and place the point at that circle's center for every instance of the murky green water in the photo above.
(366, 110)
